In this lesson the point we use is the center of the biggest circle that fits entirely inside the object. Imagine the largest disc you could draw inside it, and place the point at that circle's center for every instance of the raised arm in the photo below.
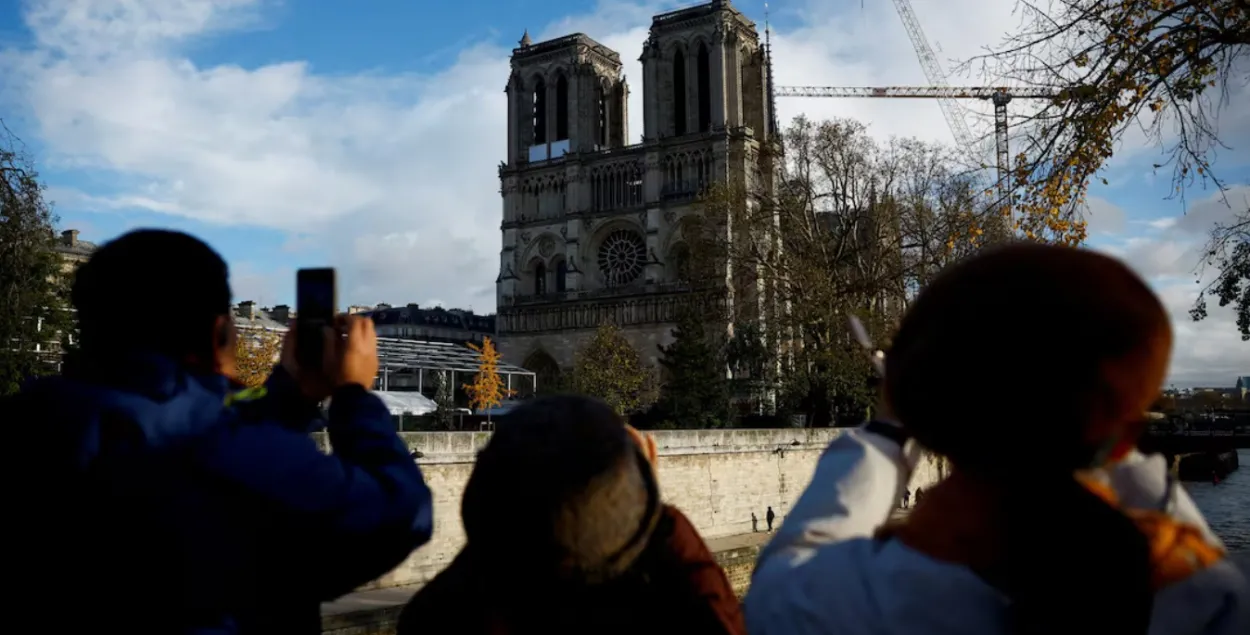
(854, 489)
(340, 519)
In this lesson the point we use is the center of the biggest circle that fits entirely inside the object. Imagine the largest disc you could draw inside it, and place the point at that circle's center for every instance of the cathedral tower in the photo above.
(593, 226)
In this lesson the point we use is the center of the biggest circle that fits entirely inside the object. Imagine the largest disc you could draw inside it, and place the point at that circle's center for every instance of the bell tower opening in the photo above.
(540, 111)
(562, 108)
(601, 111)
(679, 93)
(704, 86)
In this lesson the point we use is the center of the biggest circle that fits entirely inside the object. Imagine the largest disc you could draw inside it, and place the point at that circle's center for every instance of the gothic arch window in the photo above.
(562, 274)
(540, 279)
(704, 78)
(540, 111)
(562, 108)
(679, 263)
(546, 371)
(622, 256)
(601, 118)
(679, 93)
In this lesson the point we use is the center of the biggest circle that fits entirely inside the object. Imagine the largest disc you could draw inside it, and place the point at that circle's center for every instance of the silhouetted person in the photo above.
(755, 522)
(919, 495)
(175, 505)
(566, 533)
(1051, 521)
(769, 518)
(906, 497)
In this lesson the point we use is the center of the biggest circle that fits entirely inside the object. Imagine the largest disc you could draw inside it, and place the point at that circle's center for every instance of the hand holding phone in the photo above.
(315, 300)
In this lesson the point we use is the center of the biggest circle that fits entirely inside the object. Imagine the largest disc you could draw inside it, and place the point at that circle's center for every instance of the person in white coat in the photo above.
(1029, 367)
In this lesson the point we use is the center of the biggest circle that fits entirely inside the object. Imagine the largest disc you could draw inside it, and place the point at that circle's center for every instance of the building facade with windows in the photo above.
(593, 225)
(411, 322)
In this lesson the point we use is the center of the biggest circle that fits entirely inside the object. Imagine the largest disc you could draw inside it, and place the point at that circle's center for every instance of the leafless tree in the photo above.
(836, 223)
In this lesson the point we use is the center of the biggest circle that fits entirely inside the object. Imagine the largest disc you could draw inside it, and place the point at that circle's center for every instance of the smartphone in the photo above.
(316, 298)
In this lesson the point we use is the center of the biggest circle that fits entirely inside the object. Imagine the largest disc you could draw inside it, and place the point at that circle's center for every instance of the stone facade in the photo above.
(593, 227)
(716, 477)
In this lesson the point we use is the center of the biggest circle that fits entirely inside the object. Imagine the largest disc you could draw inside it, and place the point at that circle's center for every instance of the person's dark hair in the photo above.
(151, 290)
(1005, 364)
(562, 490)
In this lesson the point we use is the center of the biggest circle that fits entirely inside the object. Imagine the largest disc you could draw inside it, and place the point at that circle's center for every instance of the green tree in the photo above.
(1167, 67)
(445, 399)
(32, 284)
(609, 368)
(695, 393)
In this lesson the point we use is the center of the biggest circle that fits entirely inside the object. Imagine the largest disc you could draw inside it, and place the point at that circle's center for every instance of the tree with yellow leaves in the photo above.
(487, 390)
(1164, 66)
(255, 353)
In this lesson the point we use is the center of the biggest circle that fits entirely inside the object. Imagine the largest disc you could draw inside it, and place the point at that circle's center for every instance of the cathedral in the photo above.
(592, 225)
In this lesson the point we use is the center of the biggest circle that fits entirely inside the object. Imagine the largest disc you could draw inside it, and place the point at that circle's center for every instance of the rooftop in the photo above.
(566, 41)
(451, 318)
(400, 354)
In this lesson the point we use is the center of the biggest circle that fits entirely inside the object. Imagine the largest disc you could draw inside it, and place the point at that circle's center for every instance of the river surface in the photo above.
(1227, 505)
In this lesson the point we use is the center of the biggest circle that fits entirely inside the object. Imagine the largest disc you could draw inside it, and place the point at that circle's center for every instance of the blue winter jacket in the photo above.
(146, 499)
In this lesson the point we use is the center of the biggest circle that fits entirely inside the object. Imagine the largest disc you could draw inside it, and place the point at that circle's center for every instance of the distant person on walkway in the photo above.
(149, 498)
(769, 518)
(755, 522)
(919, 495)
(566, 533)
(907, 497)
(1050, 521)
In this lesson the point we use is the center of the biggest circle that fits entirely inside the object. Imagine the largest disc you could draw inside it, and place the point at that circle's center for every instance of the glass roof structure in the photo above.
(397, 355)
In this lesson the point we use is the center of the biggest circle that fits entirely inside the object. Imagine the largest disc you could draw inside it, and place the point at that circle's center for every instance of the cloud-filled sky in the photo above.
(367, 135)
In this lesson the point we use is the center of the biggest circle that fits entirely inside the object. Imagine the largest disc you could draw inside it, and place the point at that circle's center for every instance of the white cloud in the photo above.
(394, 174)
(1209, 352)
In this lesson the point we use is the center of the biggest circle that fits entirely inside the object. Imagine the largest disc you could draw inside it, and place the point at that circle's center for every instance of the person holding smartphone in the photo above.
(173, 504)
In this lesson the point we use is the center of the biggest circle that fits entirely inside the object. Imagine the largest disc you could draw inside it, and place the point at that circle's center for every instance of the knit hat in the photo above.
(561, 489)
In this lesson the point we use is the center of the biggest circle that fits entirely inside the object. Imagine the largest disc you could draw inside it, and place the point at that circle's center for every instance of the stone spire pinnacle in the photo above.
(525, 39)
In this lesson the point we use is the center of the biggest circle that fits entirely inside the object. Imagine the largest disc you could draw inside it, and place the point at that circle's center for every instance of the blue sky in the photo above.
(366, 135)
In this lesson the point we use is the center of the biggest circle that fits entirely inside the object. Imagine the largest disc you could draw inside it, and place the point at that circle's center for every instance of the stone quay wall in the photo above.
(716, 477)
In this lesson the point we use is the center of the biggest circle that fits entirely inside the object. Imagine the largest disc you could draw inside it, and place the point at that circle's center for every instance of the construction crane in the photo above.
(945, 96)
(1000, 97)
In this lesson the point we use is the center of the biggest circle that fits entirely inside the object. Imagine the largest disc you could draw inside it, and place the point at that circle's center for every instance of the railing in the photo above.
(603, 293)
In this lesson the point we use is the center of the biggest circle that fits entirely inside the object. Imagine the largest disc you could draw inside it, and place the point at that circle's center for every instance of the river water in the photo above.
(1227, 505)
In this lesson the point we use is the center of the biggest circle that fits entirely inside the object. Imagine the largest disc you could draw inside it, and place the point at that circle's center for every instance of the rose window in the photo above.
(622, 255)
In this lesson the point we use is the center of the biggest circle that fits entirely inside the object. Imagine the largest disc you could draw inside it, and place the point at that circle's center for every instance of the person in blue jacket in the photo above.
(148, 495)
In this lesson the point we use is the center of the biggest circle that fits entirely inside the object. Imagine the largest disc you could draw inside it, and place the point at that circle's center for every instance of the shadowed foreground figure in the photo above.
(147, 497)
(566, 534)
(1051, 522)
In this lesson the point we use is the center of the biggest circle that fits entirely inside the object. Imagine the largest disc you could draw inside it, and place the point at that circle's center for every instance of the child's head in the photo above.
(1030, 354)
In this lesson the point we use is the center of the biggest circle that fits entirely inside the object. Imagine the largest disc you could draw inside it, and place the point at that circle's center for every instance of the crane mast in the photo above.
(937, 77)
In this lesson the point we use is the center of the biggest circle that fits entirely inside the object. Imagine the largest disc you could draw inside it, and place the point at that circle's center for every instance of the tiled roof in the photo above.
(400, 354)
(413, 314)
(259, 321)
